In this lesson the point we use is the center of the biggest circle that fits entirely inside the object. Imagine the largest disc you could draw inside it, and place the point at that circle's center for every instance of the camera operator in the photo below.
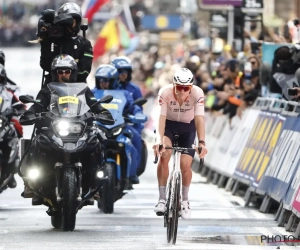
(58, 34)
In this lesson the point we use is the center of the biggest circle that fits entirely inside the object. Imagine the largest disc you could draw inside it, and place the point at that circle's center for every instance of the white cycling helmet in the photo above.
(183, 76)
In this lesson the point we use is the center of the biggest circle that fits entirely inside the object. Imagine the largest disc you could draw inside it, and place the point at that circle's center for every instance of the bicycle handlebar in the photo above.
(178, 148)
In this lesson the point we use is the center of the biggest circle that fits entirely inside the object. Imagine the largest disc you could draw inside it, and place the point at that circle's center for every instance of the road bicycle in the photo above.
(173, 191)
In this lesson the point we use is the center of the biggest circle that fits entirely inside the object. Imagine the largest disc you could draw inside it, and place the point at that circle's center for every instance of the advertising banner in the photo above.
(239, 140)
(284, 161)
(237, 3)
(296, 202)
(215, 134)
(292, 191)
(161, 22)
(259, 148)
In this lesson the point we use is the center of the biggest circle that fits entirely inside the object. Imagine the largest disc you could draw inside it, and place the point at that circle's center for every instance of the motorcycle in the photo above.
(9, 142)
(118, 149)
(63, 181)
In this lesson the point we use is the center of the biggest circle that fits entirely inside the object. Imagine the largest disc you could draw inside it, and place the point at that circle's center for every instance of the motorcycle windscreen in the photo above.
(68, 99)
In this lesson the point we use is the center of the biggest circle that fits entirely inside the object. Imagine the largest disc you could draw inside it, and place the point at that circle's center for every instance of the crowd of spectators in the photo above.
(18, 20)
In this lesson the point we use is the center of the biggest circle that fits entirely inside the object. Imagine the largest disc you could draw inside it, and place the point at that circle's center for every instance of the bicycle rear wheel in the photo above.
(175, 208)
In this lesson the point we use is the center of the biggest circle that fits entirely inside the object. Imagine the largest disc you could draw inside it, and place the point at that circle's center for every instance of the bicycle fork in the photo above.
(175, 172)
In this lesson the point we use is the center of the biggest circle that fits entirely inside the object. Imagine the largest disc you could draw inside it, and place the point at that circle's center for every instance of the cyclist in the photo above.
(181, 106)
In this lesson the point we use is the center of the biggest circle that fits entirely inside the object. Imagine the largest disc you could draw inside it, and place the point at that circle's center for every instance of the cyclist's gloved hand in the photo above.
(158, 149)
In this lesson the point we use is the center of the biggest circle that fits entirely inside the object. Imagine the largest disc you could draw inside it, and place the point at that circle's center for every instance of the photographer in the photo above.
(58, 34)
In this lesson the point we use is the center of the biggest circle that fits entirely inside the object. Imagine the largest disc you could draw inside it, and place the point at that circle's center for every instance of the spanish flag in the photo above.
(108, 38)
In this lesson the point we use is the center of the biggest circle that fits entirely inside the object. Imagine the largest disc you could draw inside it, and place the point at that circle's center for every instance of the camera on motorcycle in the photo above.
(28, 99)
(104, 99)
(140, 101)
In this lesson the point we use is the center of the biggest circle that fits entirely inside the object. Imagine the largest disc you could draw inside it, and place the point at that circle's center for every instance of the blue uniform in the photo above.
(136, 93)
(133, 89)
(136, 139)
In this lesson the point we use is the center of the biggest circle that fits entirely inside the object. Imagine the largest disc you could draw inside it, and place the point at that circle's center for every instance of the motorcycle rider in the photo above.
(69, 42)
(63, 70)
(12, 99)
(124, 67)
(12, 86)
(106, 77)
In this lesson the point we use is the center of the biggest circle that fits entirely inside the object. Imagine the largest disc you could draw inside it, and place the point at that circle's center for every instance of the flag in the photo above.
(124, 34)
(108, 38)
(90, 7)
(118, 32)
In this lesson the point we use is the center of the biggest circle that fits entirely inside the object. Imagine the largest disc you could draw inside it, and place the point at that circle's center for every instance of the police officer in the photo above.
(124, 67)
(59, 35)
(106, 77)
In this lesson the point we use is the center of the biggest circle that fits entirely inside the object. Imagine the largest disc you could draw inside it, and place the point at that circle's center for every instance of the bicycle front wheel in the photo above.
(175, 208)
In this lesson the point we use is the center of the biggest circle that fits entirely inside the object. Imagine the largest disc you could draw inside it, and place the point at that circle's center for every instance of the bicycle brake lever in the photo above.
(156, 157)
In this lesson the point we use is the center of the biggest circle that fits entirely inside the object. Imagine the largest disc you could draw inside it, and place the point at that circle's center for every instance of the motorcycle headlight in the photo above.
(33, 173)
(65, 128)
(117, 131)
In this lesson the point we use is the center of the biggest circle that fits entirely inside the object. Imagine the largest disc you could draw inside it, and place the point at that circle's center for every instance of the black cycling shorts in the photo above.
(186, 132)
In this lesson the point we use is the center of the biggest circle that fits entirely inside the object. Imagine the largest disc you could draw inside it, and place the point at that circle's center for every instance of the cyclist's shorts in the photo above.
(186, 132)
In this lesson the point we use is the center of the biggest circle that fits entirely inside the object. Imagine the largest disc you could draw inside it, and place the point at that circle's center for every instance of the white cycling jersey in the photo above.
(191, 107)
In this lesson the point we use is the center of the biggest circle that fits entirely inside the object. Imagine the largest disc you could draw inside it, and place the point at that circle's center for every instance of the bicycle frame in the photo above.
(176, 171)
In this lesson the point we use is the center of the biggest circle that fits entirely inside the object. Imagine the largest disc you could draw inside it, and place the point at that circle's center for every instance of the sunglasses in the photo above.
(66, 71)
(184, 88)
(103, 80)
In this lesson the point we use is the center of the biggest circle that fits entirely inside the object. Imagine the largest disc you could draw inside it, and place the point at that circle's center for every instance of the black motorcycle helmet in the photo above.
(64, 62)
(2, 57)
(2, 74)
(74, 10)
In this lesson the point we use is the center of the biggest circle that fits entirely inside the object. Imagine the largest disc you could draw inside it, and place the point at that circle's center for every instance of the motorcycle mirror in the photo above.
(140, 101)
(104, 99)
(28, 99)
